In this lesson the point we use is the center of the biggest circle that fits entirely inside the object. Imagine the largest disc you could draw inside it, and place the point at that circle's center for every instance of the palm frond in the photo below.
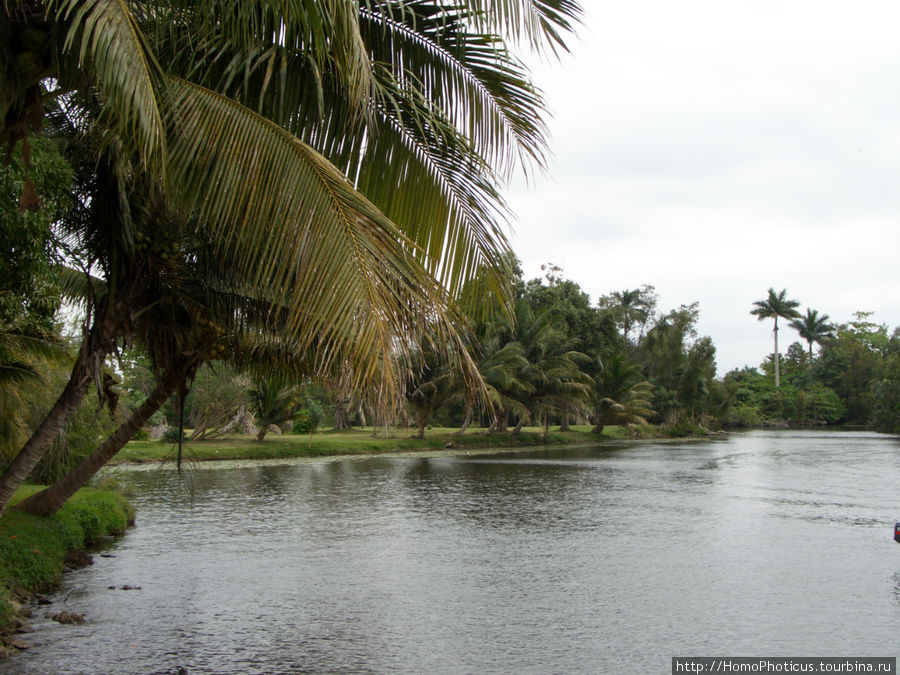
(77, 286)
(107, 39)
(289, 223)
(250, 50)
(469, 76)
(538, 23)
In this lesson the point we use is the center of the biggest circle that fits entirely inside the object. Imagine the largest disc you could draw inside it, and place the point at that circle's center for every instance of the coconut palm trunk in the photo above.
(49, 500)
(42, 438)
(111, 322)
(466, 422)
(87, 363)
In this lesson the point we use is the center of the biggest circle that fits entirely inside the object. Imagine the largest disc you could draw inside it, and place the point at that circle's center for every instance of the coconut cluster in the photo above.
(211, 339)
(160, 248)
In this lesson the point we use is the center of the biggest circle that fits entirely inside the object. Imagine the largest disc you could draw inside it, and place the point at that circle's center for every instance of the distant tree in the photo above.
(218, 398)
(813, 328)
(275, 401)
(630, 308)
(620, 394)
(551, 379)
(570, 307)
(854, 362)
(680, 366)
(433, 384)
(885, 415)
(774, 306)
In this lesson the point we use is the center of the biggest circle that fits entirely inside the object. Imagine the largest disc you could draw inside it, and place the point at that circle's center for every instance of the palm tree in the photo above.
(620, 394)
(250, 119)
(21, 352)
(275, 401)
(434, 383)
(554, 380)
(630, 306)
(774, 306)
(813, 328)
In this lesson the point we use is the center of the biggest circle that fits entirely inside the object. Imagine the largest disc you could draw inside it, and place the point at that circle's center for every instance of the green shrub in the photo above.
(305, 422)
(173, 434)
(34, 548)
(741, 415)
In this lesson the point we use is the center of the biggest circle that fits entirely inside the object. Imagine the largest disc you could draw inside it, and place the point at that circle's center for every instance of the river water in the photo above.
(605, 559)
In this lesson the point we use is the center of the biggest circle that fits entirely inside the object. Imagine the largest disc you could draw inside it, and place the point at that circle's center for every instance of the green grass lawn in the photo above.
(364, 441)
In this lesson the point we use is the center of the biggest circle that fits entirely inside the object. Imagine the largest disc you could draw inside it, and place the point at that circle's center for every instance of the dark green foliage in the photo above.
(620, 394)
(307, 421)
(680, 365)
(28, 292)
(275, 401)
(886, 391)
(174, 435)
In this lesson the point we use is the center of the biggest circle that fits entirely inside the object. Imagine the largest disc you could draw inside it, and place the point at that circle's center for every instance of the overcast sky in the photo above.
(714, 149)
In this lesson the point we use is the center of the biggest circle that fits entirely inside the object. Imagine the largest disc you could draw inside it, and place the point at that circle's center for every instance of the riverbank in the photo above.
(34, 551)
(365, 441)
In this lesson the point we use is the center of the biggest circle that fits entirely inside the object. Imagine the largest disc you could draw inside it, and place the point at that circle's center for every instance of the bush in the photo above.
(173, 435)
(741, 416)
(305, 422)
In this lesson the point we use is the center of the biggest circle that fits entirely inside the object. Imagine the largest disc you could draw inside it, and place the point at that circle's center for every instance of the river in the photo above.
(593, 559)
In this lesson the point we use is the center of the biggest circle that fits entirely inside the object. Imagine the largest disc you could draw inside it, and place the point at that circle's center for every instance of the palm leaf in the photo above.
(107, 39)
(469, 76)
(250, 50)
(290, 224)
(536, 22)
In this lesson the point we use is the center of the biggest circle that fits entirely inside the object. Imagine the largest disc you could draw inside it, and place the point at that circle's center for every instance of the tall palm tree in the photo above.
(628, 309)
(620, 394)
(294, 138)
(774, 306)
(435, 382)
(813, 328)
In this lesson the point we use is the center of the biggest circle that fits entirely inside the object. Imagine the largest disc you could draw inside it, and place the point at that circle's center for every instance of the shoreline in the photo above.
(37, 550)
(358, 442)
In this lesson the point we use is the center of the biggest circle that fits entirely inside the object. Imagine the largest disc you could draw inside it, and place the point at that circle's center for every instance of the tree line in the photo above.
(286, 216)
(295, 189)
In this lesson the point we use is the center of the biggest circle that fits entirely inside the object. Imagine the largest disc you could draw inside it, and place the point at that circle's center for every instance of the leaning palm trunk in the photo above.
(466, 422)
(86, 366)
(111, 321)
(519, 425)
(49, 501)
(42, 438)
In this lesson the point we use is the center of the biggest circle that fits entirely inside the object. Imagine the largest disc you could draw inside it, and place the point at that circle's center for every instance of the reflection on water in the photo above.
(565, 560)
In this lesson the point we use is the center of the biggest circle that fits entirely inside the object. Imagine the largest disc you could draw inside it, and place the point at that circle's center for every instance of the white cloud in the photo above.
(716, 149)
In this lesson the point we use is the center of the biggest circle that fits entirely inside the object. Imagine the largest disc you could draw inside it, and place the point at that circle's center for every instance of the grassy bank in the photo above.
(365, 441)
(33, 550)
